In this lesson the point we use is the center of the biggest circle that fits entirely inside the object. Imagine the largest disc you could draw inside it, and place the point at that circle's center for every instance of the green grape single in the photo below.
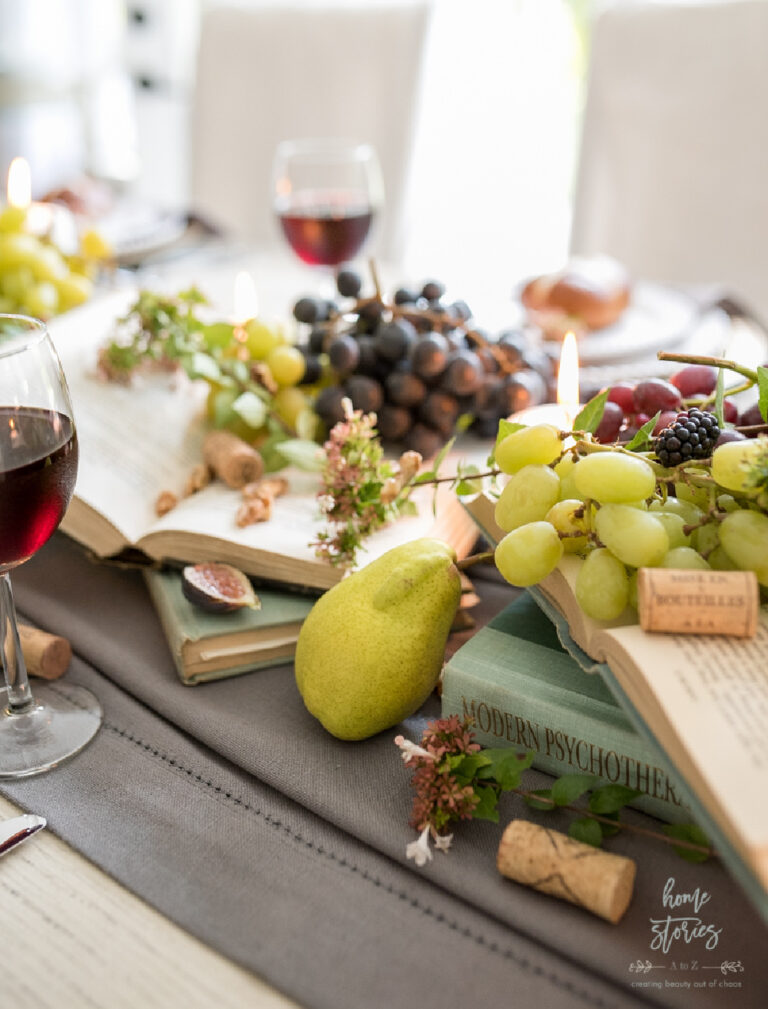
(719, 560)
(633, 589)
(690, 513)
(684, 557)
(744, 537)
(637, 538)
(527, 497)
(674, 524)
(287, 364)
(614, 477)
(698, 496)
(706, 538)
(529, 553)
(568, 518)
(602, 585)
(539, 444)
(732, 462)
(565, 469)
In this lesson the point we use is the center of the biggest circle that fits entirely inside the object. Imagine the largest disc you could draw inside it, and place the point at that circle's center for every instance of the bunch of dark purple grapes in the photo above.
(418, 362)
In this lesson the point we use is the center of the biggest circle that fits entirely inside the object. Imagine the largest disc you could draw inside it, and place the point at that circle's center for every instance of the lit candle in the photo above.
(562, 413)
(39, 219)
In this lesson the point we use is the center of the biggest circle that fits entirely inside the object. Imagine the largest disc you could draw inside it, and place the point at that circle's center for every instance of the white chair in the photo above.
(673, 173)
(271, 72)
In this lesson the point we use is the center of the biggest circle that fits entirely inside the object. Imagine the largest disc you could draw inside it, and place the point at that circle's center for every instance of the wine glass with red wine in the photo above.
(326, 194)
(38, 467)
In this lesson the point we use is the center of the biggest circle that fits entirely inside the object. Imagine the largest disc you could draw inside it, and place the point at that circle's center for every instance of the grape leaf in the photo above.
(643, 435)
(719, 392)
(693, 834)
(569, 787)
(589, 417)
(587, 831)
(762, 385)
(466, 487)
(611, 798)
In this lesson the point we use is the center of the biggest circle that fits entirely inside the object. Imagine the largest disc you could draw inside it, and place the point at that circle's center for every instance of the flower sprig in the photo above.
(457, 779)
(361, 490)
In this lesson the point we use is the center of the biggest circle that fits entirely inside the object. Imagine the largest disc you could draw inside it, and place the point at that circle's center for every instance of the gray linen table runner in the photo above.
(232, 811)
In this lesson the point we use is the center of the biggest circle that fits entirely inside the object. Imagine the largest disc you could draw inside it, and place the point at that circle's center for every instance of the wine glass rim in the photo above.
(327, 146)
(30, 332)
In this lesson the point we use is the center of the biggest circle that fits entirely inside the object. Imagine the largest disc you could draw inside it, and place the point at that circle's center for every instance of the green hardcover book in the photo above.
(212, 646)
(523, 689)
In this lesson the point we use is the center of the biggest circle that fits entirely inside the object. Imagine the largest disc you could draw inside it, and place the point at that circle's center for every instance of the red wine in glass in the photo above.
(326, 229)
(38, 468)
(326, 196)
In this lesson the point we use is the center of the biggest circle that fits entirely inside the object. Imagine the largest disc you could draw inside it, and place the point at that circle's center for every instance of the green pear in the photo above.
(371, 650)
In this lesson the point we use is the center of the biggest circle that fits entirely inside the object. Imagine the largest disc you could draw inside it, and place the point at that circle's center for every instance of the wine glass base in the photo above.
(63, 720)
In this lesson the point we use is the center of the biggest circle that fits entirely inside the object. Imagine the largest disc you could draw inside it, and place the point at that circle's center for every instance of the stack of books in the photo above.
(682, 718)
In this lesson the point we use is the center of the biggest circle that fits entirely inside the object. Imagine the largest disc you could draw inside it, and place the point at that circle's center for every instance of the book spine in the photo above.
(562, 741)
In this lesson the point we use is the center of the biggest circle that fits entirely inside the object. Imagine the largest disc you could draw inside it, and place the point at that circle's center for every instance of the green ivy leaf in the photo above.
(569, 787)
(762, 387)
(486, 807)
(469, 765)
(643, 435)
(464, 488)
(200, 365)
(427, 477)
(442, 454)
(250, 408)
(610, 798)
(506, 766)
(609, 829)
(537, 799)
(587, 831)
(307, 455)
(693, 834)
(589, 417)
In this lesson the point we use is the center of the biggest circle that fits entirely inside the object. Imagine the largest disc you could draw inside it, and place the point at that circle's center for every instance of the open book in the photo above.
(136, 441)
(702, 701)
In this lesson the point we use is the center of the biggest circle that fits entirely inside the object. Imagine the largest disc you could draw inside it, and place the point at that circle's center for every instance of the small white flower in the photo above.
(419, 850)
(411, 749)
(326, 502)
(443, 841)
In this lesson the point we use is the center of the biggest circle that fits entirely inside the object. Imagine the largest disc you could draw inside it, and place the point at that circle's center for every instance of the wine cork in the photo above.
(698, 602)
(554, 863)
(232, 460)
(46, 655)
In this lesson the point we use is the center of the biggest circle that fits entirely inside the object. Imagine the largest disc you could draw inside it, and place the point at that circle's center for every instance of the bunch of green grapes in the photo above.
(37, 278)
(623, 510)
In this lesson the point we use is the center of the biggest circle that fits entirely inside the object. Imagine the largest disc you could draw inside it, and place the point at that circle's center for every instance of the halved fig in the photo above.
(218, 588)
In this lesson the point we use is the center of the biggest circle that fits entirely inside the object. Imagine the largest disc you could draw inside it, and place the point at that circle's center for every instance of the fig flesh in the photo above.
(218, 588)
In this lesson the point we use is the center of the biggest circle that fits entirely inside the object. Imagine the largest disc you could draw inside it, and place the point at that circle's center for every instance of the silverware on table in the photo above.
(13, 832)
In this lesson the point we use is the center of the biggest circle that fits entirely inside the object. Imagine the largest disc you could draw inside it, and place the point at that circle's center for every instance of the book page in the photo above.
(135, 441)
(713, 692)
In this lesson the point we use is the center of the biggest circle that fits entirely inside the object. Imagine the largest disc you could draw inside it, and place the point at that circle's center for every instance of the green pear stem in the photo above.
(467, 562)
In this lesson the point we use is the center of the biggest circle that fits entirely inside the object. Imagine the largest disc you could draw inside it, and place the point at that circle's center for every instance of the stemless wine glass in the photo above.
(326, 195)
(38, 467)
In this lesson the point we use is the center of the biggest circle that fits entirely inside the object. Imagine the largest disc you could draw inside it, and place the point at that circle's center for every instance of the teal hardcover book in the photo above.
(523, 689)
(211, 646)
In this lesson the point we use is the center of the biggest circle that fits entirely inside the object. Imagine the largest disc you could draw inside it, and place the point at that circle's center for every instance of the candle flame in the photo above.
(246, 302)
(19, 183)
(568, 376)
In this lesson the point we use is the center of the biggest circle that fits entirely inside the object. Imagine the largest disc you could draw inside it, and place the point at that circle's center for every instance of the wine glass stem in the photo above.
(20, 697)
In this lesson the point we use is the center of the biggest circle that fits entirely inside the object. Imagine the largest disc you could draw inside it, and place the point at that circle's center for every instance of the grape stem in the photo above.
(657, 835)
(715, 362)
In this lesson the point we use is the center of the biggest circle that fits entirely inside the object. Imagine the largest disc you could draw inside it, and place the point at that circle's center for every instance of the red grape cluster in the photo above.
(417, 361)
(630, 405)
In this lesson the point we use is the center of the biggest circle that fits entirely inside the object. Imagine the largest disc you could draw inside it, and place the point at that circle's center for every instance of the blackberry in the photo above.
(692, 435)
